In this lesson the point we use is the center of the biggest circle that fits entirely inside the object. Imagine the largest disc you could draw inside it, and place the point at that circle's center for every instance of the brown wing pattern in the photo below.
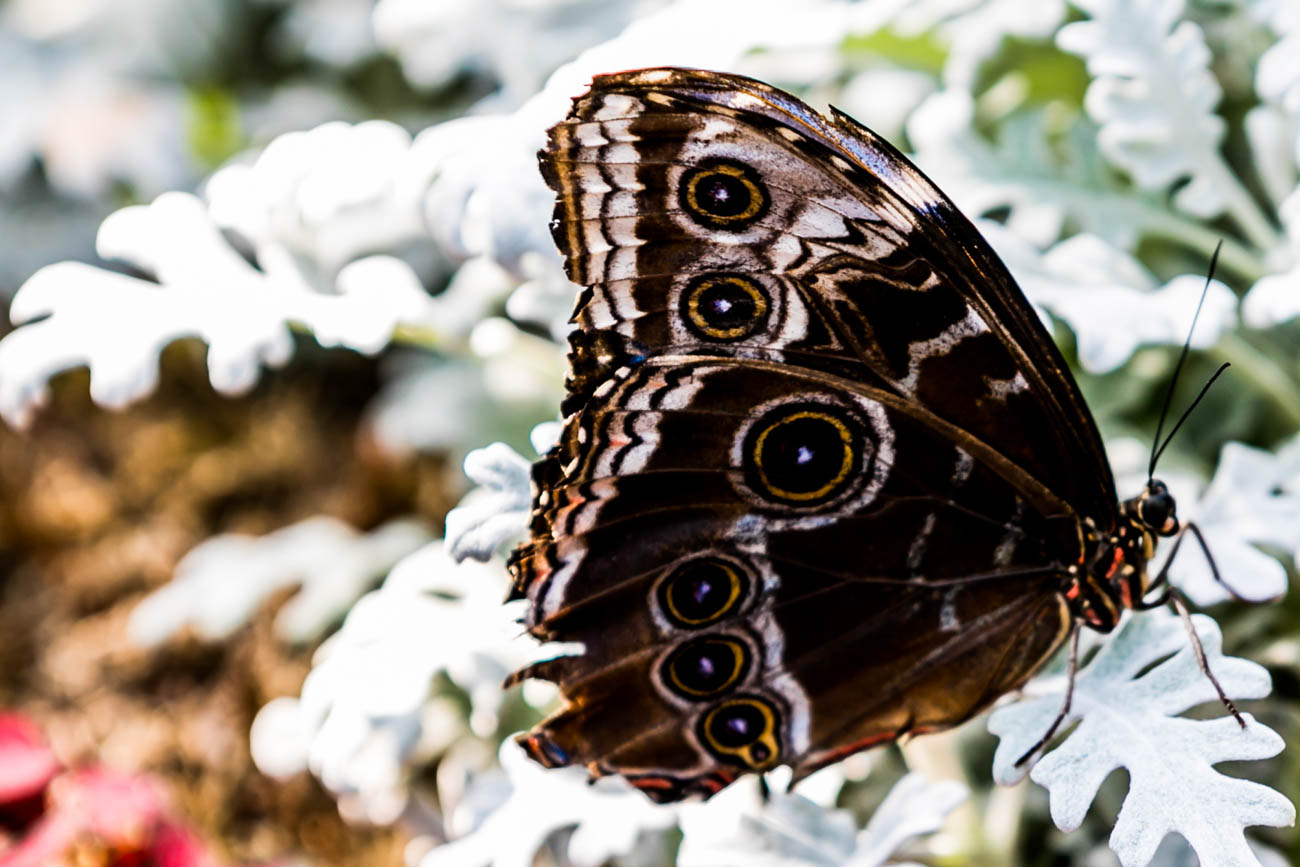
(870, 271)
(820, 466)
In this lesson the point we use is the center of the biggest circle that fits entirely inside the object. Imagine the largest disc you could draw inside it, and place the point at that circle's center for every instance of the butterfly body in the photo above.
(824, 479)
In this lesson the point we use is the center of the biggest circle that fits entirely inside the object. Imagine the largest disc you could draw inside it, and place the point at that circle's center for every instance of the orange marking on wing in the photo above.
(1115, 563)
(651, 783)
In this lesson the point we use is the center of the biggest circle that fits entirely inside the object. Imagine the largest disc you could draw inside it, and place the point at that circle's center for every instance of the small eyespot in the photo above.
(724, 306)
(702, 591)
(705, 667)
(743, 731)
(802, 454)
(723, 194)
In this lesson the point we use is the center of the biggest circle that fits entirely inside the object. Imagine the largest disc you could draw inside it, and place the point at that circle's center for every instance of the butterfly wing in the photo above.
(820, 462)
(849, 260)
(738, 543)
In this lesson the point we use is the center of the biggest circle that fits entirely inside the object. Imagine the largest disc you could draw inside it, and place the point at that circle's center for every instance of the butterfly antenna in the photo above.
(1156, 448)
(1204, 389)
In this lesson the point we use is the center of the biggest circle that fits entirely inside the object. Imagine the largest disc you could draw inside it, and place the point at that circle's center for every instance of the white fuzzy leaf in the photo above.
(1154, 95)
(607, 816)
(365, 717)
(974, 32)
(496, 511)
(1252, 500)
(1129, 719)
(1109, 299)
(221, 583)
(329, 195)
(1277, 75)
(205, 290)
(1021, 173)
(737, 828)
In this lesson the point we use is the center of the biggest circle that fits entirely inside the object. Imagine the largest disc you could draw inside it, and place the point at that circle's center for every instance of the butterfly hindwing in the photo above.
(808, 543)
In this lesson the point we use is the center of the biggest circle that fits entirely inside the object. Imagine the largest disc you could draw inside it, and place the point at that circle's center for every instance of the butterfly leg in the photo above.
(1071, 670)
(1163, 576)
(1172, 597)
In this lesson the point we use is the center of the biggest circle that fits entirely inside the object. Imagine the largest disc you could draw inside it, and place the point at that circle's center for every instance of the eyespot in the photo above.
(723, 194)
(802, 454)
(742, 730)
(705, 667)
(724, 306)
(701, 592)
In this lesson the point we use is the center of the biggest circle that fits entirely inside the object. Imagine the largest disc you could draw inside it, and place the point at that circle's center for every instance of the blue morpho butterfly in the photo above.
(825, 479)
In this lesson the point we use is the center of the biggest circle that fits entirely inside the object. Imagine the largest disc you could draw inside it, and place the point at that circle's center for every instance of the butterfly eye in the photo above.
(802, 456)
(1157, 510)
(723, 194)
(724, 306)
(702, 592)
(742, 730)
(707, 666)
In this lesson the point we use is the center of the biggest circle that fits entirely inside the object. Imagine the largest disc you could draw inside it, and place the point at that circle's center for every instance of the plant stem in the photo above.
(1263, 373)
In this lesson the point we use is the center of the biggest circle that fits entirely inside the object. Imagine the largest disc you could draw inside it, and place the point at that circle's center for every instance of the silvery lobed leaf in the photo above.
(546, 296)
(327, 195)
(1271, 134)
(1127, 717)
(737, 828)
(495, 512)
(1021, 173)
(221, 583)
(974, 32)
(333, 33)
(517, 44)
(1252, 500)
(1175, 852)
(1154, 95)
(205, 290)
(1109, 300)
(1275, 298)
(606, 816)
(1277, 75)
(365, 715)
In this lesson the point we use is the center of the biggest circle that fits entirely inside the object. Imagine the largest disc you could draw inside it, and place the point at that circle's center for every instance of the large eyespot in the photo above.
(702, 591)
(742, 730)
(723, 194)
(704, 667)
(724, 306)
(802, 454)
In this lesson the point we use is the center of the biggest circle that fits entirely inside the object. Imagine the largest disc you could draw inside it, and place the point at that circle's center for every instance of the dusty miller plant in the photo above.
(1104, 146)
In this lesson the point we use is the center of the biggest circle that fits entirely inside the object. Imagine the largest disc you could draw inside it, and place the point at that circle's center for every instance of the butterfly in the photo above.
(824, 478)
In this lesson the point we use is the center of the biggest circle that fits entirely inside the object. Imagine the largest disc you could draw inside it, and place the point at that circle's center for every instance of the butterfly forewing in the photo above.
(821, 463)
(898, 279)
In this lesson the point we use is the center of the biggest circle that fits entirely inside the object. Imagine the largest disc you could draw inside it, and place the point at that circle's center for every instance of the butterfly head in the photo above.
(1156, 509)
